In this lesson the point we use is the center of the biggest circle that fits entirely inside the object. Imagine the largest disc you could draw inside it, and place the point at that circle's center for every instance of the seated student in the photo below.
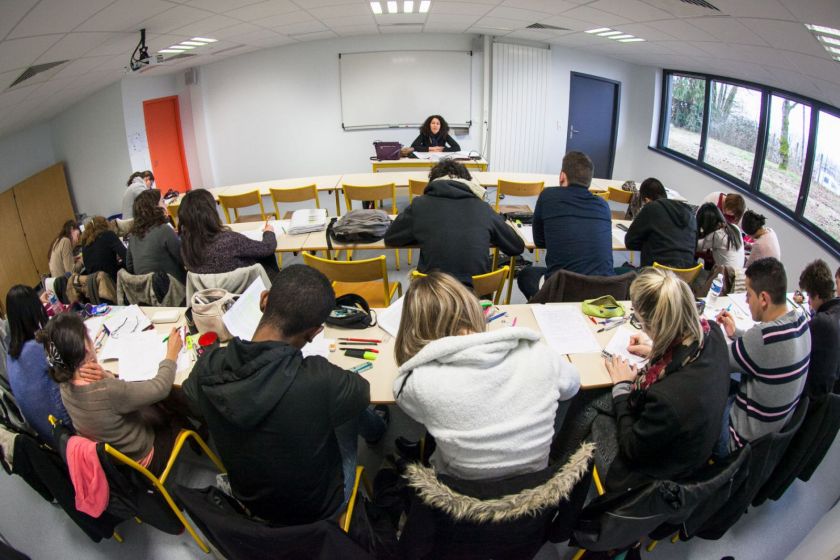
(138, 182)
(101, 248)
(668, 412)
(434, 137)
(573, 225)
(723, 239)
(37, 395)
(732, 205)
(453, 225)
(488, 398)
(62, 261)
(772, 358)
(208, 247)
(765, 243)
(665, 231)
(109, 409)
(824, 370)
(153, 246)
(273, 413)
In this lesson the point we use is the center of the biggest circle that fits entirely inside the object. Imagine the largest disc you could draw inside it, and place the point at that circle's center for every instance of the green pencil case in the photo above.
(604, 307)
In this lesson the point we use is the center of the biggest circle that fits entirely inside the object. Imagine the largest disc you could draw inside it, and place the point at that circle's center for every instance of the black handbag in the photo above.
(351, 311)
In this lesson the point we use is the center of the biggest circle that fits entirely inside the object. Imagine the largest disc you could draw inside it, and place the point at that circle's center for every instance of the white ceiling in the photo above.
(757, 40)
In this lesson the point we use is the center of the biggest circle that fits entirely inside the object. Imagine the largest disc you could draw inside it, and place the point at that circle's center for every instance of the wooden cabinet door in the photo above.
(43, 204)
(16, 266)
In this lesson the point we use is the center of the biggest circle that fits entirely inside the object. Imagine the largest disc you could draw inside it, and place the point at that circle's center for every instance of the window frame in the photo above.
(752, 188)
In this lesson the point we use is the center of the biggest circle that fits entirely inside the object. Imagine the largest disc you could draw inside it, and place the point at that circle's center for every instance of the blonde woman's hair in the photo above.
(665, 306)
(436, 306)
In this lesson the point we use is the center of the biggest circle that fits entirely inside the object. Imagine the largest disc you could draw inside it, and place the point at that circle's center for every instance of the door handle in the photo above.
(572, 131)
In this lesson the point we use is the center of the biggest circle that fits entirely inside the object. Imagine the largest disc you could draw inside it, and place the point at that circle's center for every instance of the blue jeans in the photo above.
(528, 280)
(370, 426)
(721, 450)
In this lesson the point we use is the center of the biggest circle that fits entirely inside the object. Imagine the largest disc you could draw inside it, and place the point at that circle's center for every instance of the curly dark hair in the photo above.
(816, 279)
(426, 128)
(147, 213)
(447, 167)
(752, 222)
(64, 341)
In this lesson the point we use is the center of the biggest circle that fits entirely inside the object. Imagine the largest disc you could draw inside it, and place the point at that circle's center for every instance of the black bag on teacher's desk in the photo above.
(351, 311)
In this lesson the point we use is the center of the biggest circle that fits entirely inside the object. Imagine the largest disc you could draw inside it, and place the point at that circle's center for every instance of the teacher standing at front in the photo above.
(434, 137)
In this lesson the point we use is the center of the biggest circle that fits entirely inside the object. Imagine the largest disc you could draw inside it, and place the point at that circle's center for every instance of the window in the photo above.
(823, 205)
(778, 147)
(787, 146)
(685, 114)
(733, 129)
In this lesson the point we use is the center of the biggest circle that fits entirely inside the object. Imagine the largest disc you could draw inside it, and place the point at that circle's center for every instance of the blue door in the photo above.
(593, 120)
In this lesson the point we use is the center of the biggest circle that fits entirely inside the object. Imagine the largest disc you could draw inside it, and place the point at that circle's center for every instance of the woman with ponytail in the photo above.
(722, 238)
(668, 412)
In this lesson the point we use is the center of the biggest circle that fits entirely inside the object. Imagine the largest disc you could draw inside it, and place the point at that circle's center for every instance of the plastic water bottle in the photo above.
(714, 291)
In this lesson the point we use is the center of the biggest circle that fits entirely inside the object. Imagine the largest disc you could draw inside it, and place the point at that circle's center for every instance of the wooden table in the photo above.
(408, 163)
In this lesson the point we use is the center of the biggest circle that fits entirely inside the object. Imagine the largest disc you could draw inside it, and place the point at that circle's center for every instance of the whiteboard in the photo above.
(394, 89)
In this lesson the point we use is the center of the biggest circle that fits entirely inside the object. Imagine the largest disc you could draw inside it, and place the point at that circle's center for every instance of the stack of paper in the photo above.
(308, 220)
(565, 330)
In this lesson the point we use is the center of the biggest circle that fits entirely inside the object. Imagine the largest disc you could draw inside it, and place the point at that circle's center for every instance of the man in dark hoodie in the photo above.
(573, 225)
(453, 225)
(273, 413)
(665, 231)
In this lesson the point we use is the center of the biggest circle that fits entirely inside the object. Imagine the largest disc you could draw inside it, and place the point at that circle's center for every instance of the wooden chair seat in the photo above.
(371, 291)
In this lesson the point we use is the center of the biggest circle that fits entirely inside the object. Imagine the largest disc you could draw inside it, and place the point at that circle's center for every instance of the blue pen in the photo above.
(496, 316)
(729, 307)
(362, 367)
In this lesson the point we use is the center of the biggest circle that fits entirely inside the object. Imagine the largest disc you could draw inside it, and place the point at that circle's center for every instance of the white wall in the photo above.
(25, 153)
(90, 137)
(798, 248)
(277, 113)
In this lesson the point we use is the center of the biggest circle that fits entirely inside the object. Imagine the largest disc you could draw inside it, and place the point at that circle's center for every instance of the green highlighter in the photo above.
(360, 354)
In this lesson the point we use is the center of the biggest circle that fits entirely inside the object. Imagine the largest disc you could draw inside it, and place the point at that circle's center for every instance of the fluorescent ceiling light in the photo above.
(408, 6)
(376, 7)
(176, 48)
(599, 30)
(204, 40)
(824, 30)
(392, 7)
(424, 6)
(171, 51)
(633, 40)
(624, 36)
(834, 50)
(829, 40)
(192, 43)
(608, 33)
(185, 47)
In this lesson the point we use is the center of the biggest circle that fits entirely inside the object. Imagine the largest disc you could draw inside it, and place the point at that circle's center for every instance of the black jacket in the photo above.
(824, 370)
(272, 414)
(106, 253)
(454, 230)
(665, 231)
(671, 434)
(422, 143)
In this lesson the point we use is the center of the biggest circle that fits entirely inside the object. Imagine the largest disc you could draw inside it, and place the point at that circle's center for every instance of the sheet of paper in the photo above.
(565, 329)
(244, 316)
(740, 300)
(618, 236)
(253, 234)
(94, 324)
(527, 233)
(619, 342)
(320, 346)
(140, 355)
(389, 319)
(127, 320)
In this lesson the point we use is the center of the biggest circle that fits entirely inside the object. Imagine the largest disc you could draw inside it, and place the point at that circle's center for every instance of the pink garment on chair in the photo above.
(87, 475)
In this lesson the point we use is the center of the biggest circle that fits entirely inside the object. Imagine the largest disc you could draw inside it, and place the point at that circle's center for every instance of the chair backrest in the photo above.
(236, 201)
(687, 275)
(416, 188)
(235, 281)
(514, 188)
(619, 195)
(366, 270)
(483, 284)
(603, 194)
(294, 194)
(564, 286)
(370, 192)
(173, 212)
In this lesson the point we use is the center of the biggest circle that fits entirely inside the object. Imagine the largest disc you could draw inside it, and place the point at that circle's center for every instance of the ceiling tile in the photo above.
(252, 38)
(728, 30)
(6, 79)
(175, 18)
(351, 30)
(206, 27)
(15, 96)
(645, 31)
(634, 10)
(787, 35)
(75, 45)
(597, 17)
(221, 6)
(282, 20)
(82, 66)
(309, 4)
(56, 16)
(317, 36)
(506, 12)
(236, 30)
(342, 11)
(532, 35)
(568, 23)
(20, 53)
(499, 23)
(124, 15)
(546, 6)
(821, 12)
(681, 29)
(479, 30)
(300, 28)
(458, 8)
(397, 29)
(817, 67)
(453, 20)
(13, 11)
(350, 21)
(771, 9)
(445, 27)
(263, 10)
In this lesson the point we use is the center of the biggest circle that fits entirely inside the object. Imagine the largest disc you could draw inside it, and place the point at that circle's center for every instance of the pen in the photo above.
(594, 322)
(356, 343)
(514, 322)
(362, 367)
(362, 340)
(612, 326)
(374, 350)
(729, 307)
(496, 316)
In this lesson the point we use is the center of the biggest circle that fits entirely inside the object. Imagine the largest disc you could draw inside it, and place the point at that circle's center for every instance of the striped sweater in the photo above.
(773, 359)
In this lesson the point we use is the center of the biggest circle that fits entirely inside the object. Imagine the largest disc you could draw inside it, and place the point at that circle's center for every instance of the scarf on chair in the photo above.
(677, 356)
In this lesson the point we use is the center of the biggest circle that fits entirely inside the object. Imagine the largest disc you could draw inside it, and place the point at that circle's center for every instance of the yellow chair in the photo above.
(374, 193)
(294, 194)
(367, 278)
(236, 201)
(619, 195)
(605, 194)
(687, 275)
(173, 212)
(415, 188)
(491, 283)
(513, 188)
